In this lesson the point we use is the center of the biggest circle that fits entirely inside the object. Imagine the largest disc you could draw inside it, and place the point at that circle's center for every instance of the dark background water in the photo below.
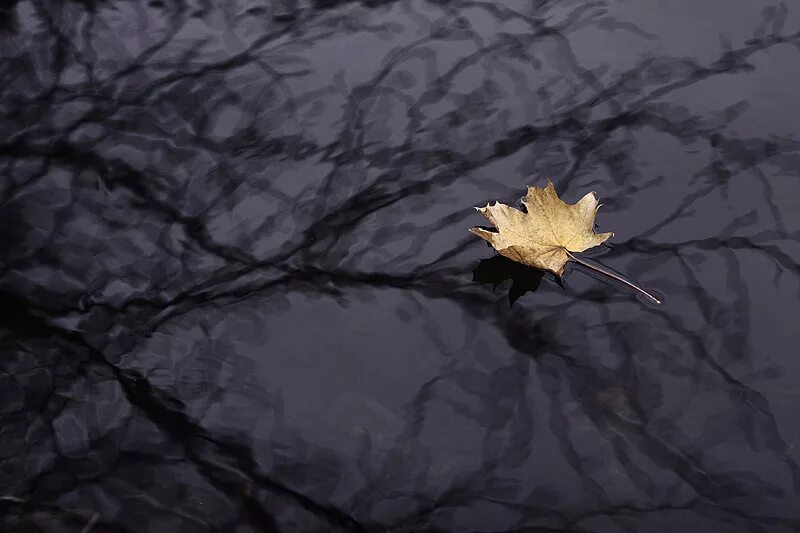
(237, 291)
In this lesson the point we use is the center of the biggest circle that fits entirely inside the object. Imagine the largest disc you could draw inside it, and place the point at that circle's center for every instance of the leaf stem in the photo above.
(612, 275)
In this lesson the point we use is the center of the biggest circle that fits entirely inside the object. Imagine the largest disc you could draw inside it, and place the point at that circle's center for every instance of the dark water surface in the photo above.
(238, 293)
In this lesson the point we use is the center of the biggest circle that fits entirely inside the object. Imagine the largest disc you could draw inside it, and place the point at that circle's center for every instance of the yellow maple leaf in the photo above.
(544, 236)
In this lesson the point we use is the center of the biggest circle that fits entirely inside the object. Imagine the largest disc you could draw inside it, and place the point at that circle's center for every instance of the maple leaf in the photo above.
(547, 232)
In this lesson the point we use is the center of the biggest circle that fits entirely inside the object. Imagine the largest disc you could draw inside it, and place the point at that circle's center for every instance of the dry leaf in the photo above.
(544, 235)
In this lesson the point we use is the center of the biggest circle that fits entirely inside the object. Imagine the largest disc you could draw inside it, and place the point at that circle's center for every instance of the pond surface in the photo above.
(238, 291)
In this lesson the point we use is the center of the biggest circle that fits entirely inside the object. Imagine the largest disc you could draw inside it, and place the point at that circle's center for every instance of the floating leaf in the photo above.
(543, 236)
(547, 232)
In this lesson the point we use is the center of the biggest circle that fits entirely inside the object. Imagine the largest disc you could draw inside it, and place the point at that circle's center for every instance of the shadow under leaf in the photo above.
(524, 279)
